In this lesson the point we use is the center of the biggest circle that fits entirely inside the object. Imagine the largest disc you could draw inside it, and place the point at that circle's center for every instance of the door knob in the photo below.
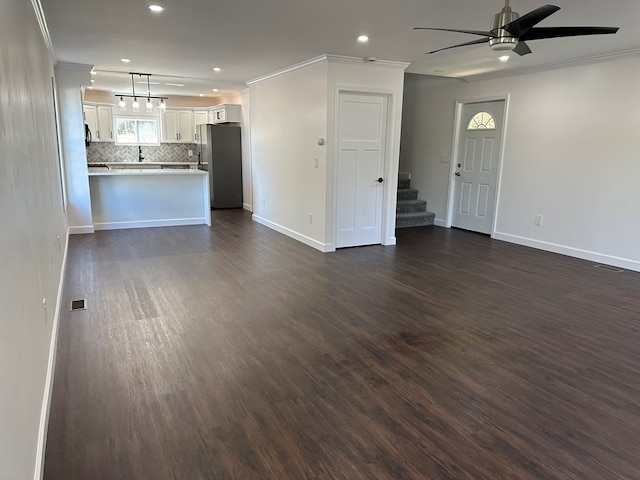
(380, 180)
(457, 174)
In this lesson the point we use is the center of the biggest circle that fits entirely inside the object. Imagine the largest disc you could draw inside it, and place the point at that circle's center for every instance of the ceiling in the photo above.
(251, 38)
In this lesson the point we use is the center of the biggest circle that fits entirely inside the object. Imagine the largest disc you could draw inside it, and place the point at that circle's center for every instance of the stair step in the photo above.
(407, 194)
(408, 206)
(414, 219)
(404, 183)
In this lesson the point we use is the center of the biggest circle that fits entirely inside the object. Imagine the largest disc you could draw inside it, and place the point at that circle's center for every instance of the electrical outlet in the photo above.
(190, 153)
(538, 220)
(59, 244)
(316, 162)
(44, 310)
(310, 218)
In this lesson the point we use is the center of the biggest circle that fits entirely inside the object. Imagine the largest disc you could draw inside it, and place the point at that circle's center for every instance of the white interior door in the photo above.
(476, 175)
(362, 125)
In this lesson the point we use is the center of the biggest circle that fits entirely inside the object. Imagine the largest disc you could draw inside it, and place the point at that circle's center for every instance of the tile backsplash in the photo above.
(102, 152)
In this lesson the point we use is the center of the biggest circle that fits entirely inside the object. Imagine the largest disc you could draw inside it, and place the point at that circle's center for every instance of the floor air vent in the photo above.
(78, 305)
(609, 268)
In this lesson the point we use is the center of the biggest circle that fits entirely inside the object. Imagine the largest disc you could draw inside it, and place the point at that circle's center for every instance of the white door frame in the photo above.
(389, 185)
(457, 131)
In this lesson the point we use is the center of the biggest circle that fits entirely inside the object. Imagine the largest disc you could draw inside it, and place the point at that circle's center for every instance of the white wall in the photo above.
(290, 111)
(288, 115)
(247, 188)
(32, 219)
(69, 78)
(570, 155)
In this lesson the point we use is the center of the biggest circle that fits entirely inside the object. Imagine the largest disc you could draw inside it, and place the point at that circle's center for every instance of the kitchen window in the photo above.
(137, 131)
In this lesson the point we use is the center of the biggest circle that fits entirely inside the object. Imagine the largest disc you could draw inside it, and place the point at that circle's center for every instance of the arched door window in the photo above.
(482, 121)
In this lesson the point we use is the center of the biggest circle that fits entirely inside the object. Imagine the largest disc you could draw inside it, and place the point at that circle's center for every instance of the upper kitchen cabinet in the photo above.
(200, 117)
(227, 114)
(105, 123)
(99, 118)
(178, 126)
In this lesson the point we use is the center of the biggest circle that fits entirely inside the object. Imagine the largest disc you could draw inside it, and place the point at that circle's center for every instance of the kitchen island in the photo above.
(148, 197)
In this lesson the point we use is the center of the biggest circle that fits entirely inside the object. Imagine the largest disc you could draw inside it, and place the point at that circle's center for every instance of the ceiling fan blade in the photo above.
(473, 42)
(471, 32)
(521, 25)
(556, 32)
(522, 49)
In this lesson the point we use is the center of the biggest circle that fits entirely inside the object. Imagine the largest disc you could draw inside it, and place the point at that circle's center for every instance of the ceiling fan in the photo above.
(509, 31)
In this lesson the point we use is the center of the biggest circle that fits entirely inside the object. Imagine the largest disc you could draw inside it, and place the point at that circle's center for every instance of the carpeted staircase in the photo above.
(411, 212)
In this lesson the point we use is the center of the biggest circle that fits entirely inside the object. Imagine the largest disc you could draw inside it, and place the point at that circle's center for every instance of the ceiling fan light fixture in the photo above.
(503, 44)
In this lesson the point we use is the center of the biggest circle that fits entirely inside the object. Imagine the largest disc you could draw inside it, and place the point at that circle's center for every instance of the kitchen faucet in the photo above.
(140, 157)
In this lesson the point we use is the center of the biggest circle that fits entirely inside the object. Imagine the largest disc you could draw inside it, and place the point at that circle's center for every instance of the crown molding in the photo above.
(327, 58)
(44, 29)
(82, 67)
(554, 66)
(360, 61)
(286, 71)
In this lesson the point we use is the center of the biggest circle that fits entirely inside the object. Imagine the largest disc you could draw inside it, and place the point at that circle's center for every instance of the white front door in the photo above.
(477, 161)
(362, 125)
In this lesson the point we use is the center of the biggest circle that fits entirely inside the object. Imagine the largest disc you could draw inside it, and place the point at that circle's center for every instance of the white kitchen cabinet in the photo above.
(91, 120)
(200, 117)
(177, 126)
(227, 114)
(100, 121)
(105, 123)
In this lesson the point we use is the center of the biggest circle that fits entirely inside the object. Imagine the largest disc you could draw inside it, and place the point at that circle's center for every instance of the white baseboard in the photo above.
(390, 241)
(438, 222)
(570, 251)
(81, 230)
(248, 207)
(169, 222)
(48, 386)
(323, 247)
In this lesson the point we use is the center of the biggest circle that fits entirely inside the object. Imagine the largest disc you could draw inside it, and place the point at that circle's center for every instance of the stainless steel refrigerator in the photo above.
(220, 153)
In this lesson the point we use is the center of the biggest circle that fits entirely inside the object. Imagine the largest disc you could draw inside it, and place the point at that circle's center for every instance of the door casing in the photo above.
(390, 184)
(458, 129)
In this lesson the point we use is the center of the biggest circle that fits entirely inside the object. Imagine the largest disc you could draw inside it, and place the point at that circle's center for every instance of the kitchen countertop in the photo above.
(103, 171)
(132, 164)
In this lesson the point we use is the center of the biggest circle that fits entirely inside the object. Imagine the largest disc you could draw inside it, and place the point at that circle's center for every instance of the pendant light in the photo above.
(135, 105)
(149, 105)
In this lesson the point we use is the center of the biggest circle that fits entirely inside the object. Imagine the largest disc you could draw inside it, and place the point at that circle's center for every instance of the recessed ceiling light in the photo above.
(202, 94)
(504, 58)
(216, 69)
(93, 73)
(93, 81)
(363, 39)
(90, 88)
(155, 8)
(125, 60)
(215, 89)
(175, 84)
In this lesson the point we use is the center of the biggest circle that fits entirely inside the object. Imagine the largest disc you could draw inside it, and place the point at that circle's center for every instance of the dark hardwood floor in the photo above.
(234, 352)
